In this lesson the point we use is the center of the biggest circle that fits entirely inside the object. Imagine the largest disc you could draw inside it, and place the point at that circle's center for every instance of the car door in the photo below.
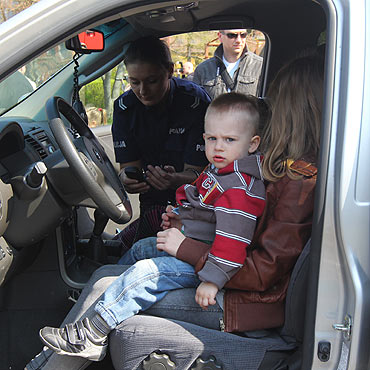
(340, 322)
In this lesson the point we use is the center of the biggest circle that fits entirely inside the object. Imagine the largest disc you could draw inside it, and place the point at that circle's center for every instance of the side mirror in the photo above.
(86, 42)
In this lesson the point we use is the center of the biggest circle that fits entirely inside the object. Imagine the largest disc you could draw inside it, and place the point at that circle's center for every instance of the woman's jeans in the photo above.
(149, 279)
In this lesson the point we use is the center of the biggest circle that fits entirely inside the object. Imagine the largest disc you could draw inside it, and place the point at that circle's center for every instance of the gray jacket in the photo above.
(246, 78)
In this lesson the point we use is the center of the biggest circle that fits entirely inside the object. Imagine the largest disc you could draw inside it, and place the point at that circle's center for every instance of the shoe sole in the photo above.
(61, 352)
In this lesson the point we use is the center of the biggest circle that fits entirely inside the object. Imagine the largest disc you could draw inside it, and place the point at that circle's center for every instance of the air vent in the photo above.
(36, 146)
(45, 141)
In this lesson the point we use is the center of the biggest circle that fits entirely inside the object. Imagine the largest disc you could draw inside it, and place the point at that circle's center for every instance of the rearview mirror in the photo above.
(86, 42)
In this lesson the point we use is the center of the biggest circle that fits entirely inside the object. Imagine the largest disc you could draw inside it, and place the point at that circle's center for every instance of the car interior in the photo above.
(59, 181)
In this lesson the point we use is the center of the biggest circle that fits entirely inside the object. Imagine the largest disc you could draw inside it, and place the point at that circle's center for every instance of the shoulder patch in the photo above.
(126, 100)
(121, 103)
(196, 103)
(303, 168)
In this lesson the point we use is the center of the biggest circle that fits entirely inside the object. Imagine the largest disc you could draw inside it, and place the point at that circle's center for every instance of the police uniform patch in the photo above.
(196, 103)
(121, 104)
(119, 144)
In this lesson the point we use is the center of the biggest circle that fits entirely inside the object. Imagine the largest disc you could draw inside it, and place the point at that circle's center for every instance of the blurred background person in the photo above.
(188, 71)
(232, 68)
(96, 116)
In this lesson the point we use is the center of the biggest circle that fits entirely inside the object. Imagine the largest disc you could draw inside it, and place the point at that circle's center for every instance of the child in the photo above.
(222, 208)
(96, 116)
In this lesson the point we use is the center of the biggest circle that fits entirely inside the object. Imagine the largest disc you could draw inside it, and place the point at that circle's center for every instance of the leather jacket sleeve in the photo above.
(281, 234)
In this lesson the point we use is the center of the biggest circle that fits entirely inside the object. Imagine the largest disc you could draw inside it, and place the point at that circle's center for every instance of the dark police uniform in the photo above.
(161, 136)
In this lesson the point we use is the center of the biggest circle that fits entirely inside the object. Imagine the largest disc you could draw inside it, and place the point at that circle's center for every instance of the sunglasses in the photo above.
(231, 35)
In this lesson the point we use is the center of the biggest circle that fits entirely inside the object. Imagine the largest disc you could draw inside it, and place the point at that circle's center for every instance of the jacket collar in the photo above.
(250, 165)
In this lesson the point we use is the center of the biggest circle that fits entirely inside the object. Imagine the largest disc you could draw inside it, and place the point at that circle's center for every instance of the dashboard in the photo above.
(32, 205)
(24, 137)
(29, 210)
(38, 190)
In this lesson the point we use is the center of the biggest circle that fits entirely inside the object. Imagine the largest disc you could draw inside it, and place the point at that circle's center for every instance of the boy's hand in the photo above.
(206, 294)
(170, 219)
(169, 240)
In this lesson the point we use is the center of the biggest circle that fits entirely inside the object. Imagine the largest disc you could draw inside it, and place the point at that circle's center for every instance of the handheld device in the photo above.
(135, 173)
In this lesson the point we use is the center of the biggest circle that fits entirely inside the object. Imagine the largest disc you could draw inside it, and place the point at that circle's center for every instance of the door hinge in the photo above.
(345, 328)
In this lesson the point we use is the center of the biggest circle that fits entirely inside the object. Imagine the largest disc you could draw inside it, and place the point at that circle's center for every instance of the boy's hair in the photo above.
(229, 102)
(150, 50)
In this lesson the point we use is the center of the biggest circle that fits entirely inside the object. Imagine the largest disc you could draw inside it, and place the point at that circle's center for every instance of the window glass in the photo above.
(32, 75)
(188, 51)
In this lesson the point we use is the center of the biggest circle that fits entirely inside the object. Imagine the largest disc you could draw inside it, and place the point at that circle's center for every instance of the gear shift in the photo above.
(96, 248)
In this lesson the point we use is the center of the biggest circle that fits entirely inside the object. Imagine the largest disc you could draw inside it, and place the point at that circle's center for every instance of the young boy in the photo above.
(223, 205)
(221, 208)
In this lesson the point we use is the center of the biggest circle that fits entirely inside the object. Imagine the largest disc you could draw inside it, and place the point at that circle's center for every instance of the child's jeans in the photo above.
(141, 250)
(150, 278)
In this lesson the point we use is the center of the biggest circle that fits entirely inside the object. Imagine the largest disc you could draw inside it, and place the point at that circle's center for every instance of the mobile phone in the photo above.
(135, 173)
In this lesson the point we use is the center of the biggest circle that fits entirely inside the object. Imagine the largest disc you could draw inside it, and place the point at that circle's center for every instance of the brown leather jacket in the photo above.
(255, 296)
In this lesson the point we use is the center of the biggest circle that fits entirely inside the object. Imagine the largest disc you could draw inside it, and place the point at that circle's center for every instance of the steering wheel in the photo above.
(88, 161)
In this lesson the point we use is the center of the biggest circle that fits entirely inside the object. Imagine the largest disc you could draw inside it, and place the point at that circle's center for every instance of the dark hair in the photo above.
(293, 132)
(252, 106)
(150, 50)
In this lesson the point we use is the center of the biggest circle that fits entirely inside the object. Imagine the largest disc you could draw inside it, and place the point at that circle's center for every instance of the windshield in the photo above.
(32, 75)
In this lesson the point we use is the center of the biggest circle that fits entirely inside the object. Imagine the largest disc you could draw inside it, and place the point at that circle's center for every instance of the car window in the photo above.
(17, 86)
(187, 50)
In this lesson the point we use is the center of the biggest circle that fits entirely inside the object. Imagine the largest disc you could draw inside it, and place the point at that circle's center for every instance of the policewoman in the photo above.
(157, 127)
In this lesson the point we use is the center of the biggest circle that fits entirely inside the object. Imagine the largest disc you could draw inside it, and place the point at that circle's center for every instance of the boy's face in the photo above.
(228, 136)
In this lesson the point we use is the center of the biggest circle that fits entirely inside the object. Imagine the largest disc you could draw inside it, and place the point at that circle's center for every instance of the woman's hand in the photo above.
(133, 186)
(161, 178)
(169, 240)
(170, 219)
(206, 294)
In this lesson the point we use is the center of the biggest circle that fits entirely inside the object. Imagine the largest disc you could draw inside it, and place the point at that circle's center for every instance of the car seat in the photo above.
(151, 343)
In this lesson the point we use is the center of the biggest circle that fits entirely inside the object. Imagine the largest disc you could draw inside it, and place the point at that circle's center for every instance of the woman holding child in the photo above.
(290, 147)
(258, 288)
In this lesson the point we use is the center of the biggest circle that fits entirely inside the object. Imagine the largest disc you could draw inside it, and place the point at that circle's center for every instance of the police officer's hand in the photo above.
(133, 186)
(160, 178)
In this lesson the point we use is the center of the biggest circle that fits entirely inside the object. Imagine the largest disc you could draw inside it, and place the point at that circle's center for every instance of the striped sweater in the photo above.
(222, 207)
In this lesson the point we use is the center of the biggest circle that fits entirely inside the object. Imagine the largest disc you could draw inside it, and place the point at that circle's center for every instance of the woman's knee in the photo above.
(106, 271)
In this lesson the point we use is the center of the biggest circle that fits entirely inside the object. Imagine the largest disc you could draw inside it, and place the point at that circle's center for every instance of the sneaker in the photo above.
(76, 339)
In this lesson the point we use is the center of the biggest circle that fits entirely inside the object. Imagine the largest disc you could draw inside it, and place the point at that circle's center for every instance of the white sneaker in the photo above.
(77, 339)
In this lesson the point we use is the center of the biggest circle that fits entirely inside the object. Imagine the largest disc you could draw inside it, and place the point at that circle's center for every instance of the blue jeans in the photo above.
(141, 250)
(146, 282)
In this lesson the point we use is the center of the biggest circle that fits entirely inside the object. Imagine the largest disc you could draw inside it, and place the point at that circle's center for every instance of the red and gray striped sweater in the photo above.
(222, 207)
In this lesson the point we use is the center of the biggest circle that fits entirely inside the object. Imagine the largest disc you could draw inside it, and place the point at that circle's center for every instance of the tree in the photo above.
(8, 8)
(112, 91)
